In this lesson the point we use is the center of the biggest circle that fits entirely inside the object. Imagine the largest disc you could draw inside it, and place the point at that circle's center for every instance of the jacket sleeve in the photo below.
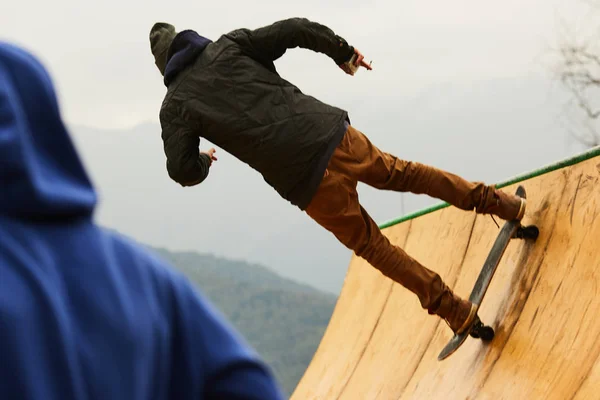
(185, 164)
(272, 41)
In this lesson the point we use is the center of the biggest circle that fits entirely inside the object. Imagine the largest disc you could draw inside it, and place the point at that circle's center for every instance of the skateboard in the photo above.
(511, 230)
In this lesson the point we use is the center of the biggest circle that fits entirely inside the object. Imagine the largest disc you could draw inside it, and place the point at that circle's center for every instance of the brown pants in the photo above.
(336, 207)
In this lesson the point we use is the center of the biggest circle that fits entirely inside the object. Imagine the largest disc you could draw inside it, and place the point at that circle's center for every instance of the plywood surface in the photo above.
(544, 303)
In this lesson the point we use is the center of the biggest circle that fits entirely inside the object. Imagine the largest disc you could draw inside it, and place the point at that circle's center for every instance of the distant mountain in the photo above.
(283, 320)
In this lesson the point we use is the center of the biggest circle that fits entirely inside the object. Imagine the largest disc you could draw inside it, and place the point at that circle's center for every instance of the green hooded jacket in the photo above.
(229, 92)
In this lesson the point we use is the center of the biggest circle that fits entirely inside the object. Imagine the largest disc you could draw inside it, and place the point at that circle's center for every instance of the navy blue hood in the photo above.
(41, 174)
(184, 50)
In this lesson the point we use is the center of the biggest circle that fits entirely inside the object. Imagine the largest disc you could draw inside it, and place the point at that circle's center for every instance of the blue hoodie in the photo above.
(85, 313)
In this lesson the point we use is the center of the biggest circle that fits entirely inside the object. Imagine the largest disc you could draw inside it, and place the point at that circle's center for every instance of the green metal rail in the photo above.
(593, 152)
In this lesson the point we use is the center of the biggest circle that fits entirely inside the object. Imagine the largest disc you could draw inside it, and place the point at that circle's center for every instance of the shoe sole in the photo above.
(469, 321)
(522, 207)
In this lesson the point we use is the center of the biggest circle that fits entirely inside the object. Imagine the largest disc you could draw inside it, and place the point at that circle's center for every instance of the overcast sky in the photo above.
(99, 52)
(463, 85)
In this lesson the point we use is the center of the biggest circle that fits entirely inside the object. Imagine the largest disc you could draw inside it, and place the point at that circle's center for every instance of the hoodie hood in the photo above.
(41, 174)
(183, 51)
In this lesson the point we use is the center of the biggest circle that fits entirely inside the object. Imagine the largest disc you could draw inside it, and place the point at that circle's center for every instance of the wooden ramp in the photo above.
(544, 303)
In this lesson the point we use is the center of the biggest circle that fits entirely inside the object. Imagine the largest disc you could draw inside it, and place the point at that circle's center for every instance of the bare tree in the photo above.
(579, 71)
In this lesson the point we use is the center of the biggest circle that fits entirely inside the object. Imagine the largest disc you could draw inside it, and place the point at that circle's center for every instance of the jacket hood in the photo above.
(41, 174)
(183, 51)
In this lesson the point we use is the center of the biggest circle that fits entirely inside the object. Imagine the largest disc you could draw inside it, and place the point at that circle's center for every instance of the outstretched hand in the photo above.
(358, 62)
(211, 154)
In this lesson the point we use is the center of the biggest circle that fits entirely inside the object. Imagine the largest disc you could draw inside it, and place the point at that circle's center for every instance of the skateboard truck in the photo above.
(478, 330)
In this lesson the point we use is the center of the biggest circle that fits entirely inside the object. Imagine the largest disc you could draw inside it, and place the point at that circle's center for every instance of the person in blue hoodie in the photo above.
(86, 313)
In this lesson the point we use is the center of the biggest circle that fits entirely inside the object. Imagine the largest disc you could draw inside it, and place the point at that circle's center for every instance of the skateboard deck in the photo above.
(511, 230)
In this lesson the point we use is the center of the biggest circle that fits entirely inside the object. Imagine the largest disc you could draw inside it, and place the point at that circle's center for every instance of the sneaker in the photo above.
(506, 206)
(458, 313)
(461, 316)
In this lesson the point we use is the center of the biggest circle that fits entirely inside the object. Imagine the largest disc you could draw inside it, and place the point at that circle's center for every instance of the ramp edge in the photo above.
(586, 155)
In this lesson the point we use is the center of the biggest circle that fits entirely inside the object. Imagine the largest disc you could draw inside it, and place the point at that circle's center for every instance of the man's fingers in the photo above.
(211, 153)
(360, 60)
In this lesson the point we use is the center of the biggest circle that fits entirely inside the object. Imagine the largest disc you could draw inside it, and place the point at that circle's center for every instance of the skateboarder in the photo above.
(229, 92)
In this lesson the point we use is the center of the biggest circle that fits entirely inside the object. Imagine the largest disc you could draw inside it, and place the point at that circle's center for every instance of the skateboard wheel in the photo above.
(528, 232)
(481, 331)
(486, 333)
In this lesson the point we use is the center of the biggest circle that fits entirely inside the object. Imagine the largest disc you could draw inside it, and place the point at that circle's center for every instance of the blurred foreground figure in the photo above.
(84, 313)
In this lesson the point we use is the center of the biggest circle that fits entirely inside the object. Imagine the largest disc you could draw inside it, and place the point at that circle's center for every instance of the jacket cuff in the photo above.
(207, 158)
(345, 51)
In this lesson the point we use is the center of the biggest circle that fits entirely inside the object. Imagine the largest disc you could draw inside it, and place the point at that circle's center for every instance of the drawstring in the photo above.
(495, 197)
(493, 219)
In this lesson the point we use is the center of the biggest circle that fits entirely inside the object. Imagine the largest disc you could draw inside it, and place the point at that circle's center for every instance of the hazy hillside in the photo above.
(283, 320)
